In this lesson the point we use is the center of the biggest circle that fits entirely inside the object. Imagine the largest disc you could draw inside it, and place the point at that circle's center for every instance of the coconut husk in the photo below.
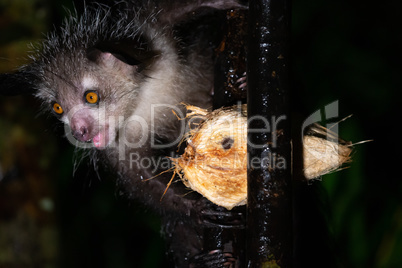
(214, 162)
(323, 152)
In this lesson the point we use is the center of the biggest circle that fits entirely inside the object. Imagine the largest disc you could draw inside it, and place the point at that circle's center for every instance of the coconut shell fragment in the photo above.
(214, 162)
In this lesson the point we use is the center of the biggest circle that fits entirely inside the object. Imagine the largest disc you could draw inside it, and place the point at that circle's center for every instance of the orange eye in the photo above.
(91, 97)
(57, 108)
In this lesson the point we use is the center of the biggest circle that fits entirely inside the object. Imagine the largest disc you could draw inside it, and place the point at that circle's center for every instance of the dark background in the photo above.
(57, 213)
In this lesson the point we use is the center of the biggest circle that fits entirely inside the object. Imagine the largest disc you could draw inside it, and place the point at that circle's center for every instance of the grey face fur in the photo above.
(83, 59)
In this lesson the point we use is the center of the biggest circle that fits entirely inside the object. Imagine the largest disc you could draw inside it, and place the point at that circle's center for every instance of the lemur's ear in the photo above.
(176, 12)
(125, 55)
(18, 83)
(111, 61)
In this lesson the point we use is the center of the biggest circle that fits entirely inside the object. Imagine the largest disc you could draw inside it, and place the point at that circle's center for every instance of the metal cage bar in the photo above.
(269, 208)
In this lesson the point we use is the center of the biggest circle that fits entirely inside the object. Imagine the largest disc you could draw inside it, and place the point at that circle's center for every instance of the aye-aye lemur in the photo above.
(113, 75)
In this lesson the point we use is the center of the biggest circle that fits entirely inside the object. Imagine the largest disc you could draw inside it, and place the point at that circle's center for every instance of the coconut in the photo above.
(214, 163)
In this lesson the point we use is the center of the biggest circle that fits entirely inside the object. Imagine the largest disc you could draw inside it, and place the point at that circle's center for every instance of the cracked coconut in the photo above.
(214, 162)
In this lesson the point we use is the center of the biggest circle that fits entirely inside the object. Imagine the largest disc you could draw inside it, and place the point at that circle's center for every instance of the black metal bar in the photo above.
(269, 208)
(229, 67)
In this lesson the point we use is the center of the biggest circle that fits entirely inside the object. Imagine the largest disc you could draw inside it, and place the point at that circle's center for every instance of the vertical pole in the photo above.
(230, 65)
(269, 208)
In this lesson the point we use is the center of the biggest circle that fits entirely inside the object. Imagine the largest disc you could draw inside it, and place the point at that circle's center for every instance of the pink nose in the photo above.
(81, 128)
